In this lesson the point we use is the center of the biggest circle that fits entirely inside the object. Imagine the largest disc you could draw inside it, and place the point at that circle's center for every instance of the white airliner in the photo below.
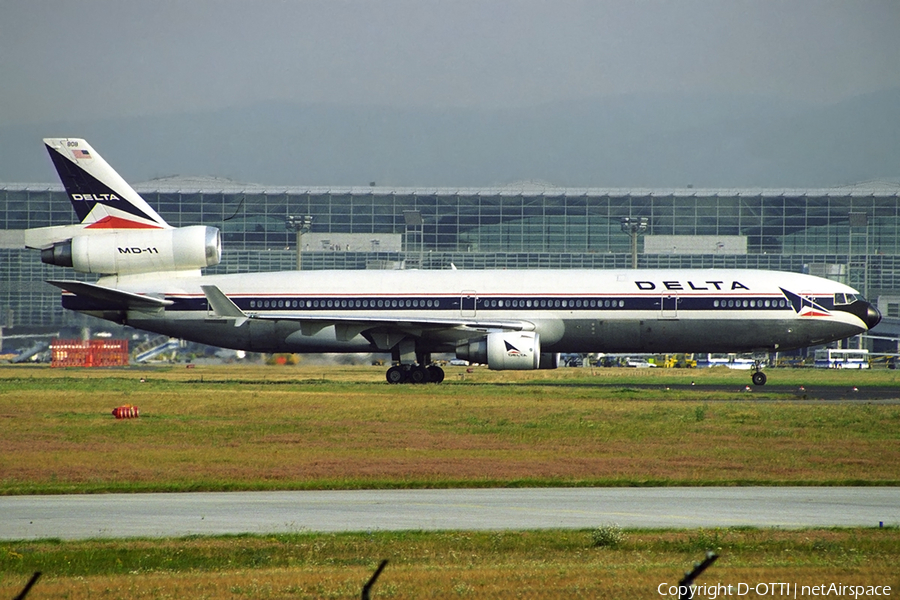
(150, 279)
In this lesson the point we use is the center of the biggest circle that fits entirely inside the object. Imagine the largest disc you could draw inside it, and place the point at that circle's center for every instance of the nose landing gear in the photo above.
(758, 377)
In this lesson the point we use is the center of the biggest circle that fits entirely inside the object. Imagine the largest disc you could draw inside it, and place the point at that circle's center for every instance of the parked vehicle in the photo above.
(837, 358)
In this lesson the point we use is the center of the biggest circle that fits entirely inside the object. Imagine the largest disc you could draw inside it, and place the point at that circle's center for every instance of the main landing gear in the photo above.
(412, 366)
(759, 378)
(415, 374)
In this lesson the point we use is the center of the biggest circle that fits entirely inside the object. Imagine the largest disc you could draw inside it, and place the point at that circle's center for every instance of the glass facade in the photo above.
(545, 228)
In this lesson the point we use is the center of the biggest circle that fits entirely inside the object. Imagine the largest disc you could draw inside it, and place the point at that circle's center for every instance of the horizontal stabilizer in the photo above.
(111, 297)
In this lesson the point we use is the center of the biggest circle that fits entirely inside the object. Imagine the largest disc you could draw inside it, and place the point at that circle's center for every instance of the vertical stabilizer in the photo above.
(99, 195)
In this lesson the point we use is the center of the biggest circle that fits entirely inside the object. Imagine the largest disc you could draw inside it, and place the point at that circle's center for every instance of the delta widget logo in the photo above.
(513, 351)
(805, 307)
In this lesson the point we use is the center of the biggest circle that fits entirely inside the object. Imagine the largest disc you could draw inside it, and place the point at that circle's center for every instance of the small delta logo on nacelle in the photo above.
(513, 351)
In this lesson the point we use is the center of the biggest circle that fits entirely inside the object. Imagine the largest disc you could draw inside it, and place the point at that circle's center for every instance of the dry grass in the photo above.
(281, 428)
(261, 428)
(536, 564)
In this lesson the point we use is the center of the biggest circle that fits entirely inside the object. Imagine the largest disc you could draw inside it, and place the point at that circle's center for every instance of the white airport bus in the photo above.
(732, 361)
(836, 358)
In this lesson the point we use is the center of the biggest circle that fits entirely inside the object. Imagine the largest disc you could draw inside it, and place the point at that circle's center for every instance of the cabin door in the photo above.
(668, 305)
(468, 302)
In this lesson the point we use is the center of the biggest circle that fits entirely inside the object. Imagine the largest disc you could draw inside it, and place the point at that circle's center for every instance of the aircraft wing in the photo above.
(109, 296)
(348, 326)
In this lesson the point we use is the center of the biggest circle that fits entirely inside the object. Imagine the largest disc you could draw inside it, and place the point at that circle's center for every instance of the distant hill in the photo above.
(629, 141)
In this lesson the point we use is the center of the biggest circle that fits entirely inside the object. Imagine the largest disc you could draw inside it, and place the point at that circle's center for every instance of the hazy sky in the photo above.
(64, 60)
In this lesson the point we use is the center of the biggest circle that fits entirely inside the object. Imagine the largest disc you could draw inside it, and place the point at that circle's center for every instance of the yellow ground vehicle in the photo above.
(680, 361)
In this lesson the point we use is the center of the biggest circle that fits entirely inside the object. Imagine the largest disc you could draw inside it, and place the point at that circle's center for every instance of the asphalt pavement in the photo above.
(168, 515)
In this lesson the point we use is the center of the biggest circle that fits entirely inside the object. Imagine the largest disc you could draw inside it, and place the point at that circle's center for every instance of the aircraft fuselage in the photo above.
(573, 311)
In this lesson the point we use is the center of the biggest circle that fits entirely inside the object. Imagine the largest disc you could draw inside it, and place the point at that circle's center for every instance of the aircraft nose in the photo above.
(873, 316)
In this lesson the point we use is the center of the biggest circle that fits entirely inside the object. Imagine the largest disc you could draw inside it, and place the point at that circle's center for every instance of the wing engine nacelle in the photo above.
(518, 350)
(131, 251)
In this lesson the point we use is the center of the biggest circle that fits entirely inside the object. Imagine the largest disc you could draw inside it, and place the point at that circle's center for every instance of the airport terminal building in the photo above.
(851, 234)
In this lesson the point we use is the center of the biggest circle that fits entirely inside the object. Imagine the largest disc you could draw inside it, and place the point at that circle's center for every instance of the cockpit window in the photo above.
(844, 299)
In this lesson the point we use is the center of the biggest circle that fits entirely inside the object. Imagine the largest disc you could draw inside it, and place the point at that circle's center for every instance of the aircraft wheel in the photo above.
(435, 374)
(418, 374)
(759, 378)
(396, 374)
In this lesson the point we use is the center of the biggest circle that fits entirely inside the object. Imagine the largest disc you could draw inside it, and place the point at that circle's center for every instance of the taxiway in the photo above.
(173, 515)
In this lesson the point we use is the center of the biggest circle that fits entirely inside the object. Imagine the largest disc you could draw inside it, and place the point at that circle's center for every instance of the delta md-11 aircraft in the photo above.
(150, 278)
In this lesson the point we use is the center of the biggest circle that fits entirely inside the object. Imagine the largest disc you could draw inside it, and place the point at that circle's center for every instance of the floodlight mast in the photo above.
(859, 220)
(301, 224)
(415, 223)
(635, 226)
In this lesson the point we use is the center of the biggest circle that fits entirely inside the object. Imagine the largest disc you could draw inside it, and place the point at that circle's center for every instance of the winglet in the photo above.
(223, 306)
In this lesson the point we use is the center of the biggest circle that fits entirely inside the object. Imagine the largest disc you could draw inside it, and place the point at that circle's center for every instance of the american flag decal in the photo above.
(82, 154)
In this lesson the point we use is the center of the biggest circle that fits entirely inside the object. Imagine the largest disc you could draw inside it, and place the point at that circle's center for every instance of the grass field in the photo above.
(532, 564)
(250, 428)
(229, 428)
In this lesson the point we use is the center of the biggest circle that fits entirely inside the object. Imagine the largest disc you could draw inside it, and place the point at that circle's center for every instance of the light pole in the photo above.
(634, 226)
(301, 224)
(859, 219)
(414, 222)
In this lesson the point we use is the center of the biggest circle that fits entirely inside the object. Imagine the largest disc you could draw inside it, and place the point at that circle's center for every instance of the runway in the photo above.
(173, 515)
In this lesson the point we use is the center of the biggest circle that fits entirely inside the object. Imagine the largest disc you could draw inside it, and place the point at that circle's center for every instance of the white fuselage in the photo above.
(572, 310)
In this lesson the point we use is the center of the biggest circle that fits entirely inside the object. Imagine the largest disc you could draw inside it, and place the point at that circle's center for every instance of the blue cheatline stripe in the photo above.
(505, 304)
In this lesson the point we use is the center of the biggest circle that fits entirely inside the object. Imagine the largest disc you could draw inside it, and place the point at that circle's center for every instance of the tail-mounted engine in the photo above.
(519, 350)
(129, 252)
